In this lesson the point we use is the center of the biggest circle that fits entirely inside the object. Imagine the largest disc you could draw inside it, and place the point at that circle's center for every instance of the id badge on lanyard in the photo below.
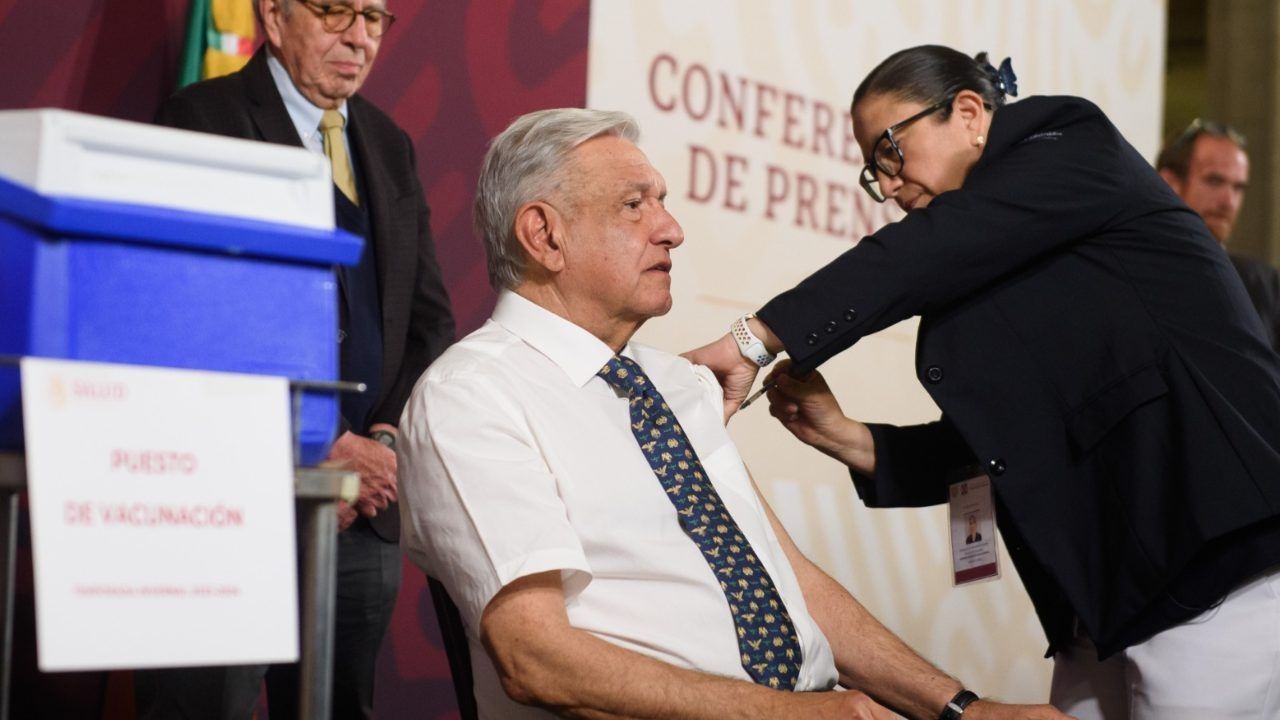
(974, 552)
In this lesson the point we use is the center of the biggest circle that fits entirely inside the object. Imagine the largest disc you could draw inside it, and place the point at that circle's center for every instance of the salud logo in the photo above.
(57, 391)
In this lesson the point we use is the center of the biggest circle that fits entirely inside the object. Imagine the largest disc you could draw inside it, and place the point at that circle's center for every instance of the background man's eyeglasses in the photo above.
(338, 18)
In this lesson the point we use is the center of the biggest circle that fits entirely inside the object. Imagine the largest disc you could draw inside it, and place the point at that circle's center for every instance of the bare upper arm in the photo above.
(531, 603)
(519, 628)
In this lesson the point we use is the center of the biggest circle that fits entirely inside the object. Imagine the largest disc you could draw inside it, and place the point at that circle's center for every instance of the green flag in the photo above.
(199, 23)
(219, 39)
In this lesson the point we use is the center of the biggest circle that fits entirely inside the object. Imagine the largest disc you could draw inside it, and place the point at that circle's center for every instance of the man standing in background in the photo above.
(1207, 167)
(300, 90)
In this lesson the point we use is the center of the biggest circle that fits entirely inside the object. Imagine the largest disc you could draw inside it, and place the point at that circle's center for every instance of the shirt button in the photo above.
(811, 338)
(830, 327)
(934, 373)
(996, 466)
(850, 315)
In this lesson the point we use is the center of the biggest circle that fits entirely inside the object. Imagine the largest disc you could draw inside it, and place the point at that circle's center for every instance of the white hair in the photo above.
(523, 164)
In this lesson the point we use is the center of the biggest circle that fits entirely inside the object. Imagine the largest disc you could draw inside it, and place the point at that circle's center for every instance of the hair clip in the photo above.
(1003, 78)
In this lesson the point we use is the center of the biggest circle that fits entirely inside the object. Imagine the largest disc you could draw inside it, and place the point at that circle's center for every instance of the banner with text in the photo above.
(744, 108)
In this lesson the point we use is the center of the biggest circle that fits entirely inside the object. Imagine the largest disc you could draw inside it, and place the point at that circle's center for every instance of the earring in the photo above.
(979, 141)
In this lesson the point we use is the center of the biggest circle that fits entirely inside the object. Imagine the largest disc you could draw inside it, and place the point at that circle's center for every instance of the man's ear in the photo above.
(1172, 178)
(272, 12)
(539, 228)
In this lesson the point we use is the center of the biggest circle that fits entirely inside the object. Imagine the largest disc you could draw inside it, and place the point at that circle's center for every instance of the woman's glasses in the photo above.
(886, 156)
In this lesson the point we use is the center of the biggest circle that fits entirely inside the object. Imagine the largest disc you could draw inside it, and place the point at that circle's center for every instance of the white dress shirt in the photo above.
(515, 459)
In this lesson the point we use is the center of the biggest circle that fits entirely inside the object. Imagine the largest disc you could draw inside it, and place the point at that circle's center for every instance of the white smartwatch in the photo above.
(751, 347)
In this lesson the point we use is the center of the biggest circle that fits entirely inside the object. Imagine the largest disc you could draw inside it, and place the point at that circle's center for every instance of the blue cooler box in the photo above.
(114, 282)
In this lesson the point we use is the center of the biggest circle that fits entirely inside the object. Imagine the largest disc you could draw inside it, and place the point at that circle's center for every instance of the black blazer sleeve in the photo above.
(1262, 282)
(1029, 194)
(914, 465)
(431, 325)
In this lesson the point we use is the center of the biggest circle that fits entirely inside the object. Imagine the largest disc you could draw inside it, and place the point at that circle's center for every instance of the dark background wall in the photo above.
(1223, 63)
(1184, 80)
(451, 73)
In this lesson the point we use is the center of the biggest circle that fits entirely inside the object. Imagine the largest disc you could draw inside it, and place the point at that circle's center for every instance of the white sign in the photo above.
(161, 516)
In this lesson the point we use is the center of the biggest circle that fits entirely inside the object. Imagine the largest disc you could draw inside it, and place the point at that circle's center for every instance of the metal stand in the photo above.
(13, 477)
(319, 490)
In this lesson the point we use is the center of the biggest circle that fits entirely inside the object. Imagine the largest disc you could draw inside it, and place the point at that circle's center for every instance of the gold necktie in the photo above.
(336, 149)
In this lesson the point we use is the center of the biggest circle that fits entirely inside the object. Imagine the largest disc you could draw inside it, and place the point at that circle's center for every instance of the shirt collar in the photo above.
(304, 114)
(578, 353)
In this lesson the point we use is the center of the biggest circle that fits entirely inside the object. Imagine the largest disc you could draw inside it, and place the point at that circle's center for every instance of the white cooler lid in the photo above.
(59, 153)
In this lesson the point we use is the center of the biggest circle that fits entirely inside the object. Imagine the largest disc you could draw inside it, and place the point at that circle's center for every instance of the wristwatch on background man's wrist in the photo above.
(386, 437)
(955, 708)
(751, 347)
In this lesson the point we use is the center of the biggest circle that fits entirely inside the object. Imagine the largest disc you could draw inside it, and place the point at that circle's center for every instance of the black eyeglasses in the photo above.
(338, 18)
(886, 156)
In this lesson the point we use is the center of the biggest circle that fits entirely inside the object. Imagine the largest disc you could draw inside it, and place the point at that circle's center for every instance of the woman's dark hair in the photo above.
(928, 74)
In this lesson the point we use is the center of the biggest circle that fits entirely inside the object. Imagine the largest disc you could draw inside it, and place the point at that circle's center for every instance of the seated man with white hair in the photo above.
(579, 496)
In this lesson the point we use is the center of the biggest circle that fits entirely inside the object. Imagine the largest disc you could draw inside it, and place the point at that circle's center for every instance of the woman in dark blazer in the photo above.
(1090, 346)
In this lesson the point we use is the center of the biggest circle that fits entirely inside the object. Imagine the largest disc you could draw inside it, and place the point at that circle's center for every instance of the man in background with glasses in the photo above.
(300, 89)
(1207, 167)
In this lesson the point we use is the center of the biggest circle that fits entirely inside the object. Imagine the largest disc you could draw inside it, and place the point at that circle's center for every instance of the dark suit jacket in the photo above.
(1089, 341)
(417, 323)
(1262, 281)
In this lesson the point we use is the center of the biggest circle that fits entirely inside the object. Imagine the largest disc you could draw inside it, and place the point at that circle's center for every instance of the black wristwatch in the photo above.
(955, 709)
(387, 438)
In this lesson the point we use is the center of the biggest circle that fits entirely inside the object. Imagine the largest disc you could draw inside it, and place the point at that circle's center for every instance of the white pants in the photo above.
(1223, 664)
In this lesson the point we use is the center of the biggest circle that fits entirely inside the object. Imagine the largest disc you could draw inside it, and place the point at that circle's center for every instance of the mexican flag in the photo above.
(219, 39)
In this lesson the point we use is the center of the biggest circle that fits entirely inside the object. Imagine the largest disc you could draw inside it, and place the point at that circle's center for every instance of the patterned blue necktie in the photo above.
(770, 650)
